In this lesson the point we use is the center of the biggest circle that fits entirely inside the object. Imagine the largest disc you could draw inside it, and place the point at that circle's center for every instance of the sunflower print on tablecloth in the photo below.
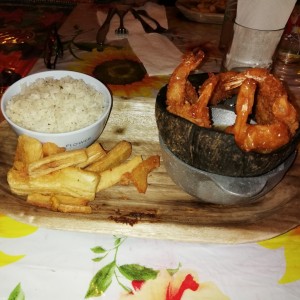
(121, 70)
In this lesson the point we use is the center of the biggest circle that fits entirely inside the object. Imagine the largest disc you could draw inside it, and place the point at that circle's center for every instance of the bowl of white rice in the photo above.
(67, 108)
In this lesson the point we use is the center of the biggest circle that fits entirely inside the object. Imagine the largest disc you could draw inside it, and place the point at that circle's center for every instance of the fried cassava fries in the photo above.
(60, 203)
(40, 200)
(118, 154)
(51, 148)
(112, 176)
(70, 181)
(28, 150)
(66, 181)
(56, 162)
(94, 153)
(68, 208)
(139, 174)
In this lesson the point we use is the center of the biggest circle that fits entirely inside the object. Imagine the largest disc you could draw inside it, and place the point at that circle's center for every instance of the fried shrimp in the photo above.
(255, 137)
(259, 93)
(183, 99)
(180, 89)
(272, 102)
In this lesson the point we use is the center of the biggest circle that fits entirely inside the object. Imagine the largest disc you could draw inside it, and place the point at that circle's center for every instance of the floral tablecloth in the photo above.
(41, 263)
(38, 263)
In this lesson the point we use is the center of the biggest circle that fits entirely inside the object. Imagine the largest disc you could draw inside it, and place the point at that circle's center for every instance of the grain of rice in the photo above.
(56, 105)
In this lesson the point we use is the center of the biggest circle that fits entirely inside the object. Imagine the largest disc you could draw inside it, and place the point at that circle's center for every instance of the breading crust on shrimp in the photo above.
(272, 103)
(260, 138)
(259, 93)
(183, 99)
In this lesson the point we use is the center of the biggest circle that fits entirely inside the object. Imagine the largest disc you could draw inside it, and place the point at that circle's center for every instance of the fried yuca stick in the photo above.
(94, 153)
(39, 200)
(28, 150)
(139, 175)
(56, 162)
(62, 199)
(68, 208)
(112, 176)
(62, 204)
(69, 181)
(51, 148)
(118, 154)
(68, 200)
(59, 203)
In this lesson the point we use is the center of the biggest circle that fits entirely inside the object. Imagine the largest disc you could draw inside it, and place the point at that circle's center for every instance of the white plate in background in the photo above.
(186, 8)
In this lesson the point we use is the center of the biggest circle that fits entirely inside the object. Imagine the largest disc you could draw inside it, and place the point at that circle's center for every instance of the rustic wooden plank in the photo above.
(165, 211)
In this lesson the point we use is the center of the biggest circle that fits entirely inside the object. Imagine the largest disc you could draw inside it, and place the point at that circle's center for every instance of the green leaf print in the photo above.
(98, 249)
(101, 281)
(17, 293)
(123, 274)
(99, 258)
(174, 271)
(118, 241)
(137, 272)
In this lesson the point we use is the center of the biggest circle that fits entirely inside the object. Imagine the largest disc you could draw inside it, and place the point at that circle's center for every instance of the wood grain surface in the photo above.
(164, 211)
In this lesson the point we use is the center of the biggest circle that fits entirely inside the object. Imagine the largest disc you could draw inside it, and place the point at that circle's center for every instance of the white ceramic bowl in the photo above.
(71, 140)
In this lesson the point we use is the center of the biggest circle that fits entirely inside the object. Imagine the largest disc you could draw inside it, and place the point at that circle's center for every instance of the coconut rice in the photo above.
(56, 105)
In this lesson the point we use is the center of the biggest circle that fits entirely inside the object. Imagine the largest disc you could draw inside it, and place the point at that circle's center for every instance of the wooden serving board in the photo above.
(164, 211)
